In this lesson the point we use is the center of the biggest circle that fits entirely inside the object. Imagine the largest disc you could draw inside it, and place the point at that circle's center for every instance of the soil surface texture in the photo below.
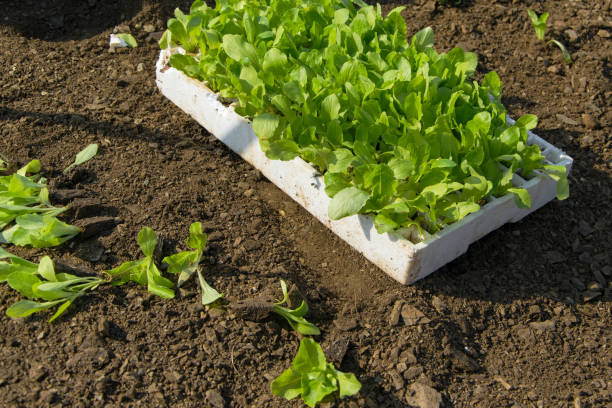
(523, 319)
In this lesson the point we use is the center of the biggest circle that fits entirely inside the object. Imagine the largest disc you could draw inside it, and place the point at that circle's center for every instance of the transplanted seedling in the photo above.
(186, 263)
(43, 288)
(144, 272)
(539, 24)
(295, 317)
(39, 231)
(313, 378)
(24, 200)
(84, 155)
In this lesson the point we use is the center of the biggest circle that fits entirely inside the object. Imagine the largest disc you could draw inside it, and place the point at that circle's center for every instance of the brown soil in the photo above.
(522, 319)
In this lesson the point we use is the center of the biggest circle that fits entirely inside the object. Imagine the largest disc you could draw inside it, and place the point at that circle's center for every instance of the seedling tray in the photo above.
(402, 259)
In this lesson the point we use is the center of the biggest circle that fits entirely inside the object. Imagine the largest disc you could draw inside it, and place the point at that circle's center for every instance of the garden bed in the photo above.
(521, 319)
(406, 259)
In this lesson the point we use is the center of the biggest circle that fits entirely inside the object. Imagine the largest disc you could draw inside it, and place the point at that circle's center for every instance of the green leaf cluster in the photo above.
(295, 317)
(144, 271)
(313, 378)
(42, 286)
(186, 263)
(398, 130)
(24, 202)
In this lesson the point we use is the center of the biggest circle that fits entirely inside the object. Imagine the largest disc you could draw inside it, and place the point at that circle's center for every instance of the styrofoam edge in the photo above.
(401, 259)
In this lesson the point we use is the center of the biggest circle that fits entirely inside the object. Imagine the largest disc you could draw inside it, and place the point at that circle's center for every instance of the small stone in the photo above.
(215, 399)
(571, 35)
(439, 305)
(566, 120)
(590, 295)
(173, 377)
(589, 121)
(48, 396)
(463, 362)
(396, 379)
(395, 315)
(424, 396)
(154, 37)
(249, 192)
(95, 225)
(584, 228)
(346, 323)
(408, 357)
(543, 326)
(215, 312)
(337, 349)
(412, 316)
(595, 286)
(148, 28)
(554, 257)
(603, 33)
(503, 383)
(554, 69)
(413, 372)
(37, 372)
(140, 67)
(215, 236)
(104, 326)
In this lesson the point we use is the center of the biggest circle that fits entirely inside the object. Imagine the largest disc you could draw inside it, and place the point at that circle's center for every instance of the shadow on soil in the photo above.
(60, 20)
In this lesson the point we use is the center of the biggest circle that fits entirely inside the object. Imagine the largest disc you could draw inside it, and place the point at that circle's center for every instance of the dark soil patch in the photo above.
(522, 319)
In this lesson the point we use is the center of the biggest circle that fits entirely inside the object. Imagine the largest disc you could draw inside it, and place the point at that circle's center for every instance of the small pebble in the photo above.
(589, 121)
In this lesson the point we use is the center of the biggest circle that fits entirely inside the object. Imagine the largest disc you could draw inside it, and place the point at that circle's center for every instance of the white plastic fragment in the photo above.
(403, 260)
(116, 42)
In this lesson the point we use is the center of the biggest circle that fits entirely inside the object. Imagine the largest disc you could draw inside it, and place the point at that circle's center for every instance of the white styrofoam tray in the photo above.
(400, 258)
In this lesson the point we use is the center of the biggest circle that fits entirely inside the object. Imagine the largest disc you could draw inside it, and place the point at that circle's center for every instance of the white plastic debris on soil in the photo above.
(116, 42)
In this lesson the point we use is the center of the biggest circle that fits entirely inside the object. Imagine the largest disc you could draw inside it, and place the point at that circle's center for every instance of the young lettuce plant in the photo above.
(295, 317)
(43, 288)
(186, 263)
(84, 155)
(24, 200)
(38, 231)
(313, 378)
(144, 272)
(539, 24)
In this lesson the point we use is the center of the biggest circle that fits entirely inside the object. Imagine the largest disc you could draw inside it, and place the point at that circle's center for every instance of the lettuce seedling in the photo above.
(84, 155)
(295, 317)
(313, 378)
(539, 23)
(24, 200)
(186, 263)
(43, 288)
(39, 231)
(144, 272)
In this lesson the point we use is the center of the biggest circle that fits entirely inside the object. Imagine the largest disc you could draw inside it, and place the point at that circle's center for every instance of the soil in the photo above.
(523, 319)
